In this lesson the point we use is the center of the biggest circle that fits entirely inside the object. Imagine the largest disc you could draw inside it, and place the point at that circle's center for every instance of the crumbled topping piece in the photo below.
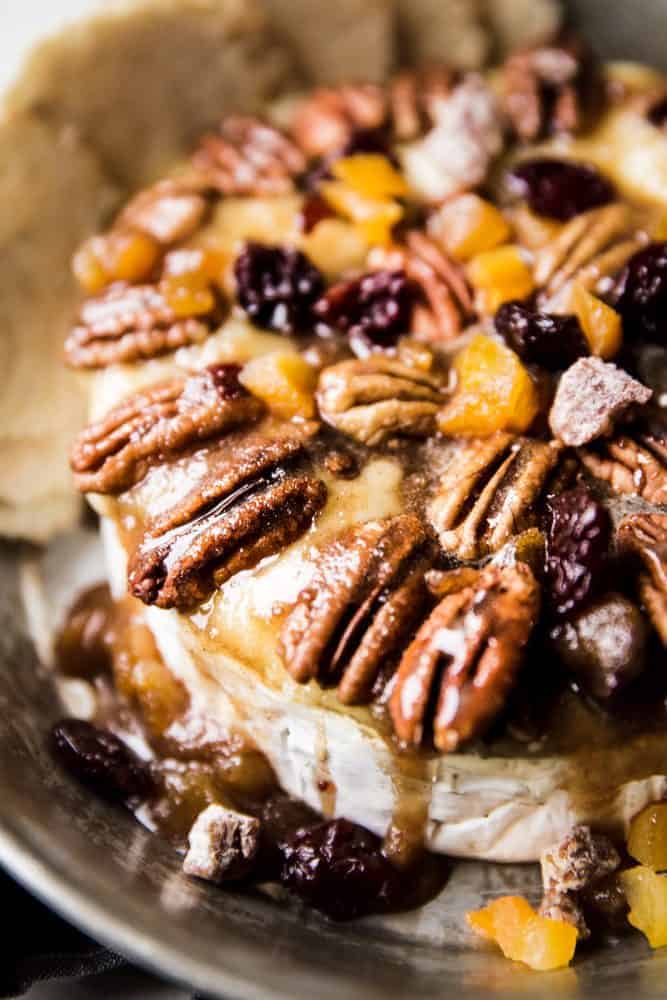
(591, 396)
(489, 492)
(457, 153)
(132, 322)
(360, 608)
(549, 89)
(223, 845)
(646, 534)
(325, 122)
(157, 423)
(277, 287)
(246, 156)
(372, 310)
(633, 463)
(465, 658)
(570, 868)
(377, 398)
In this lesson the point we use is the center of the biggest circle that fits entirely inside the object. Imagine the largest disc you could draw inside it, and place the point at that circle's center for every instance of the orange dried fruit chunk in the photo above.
(187, 296)
(370, 175)
(373, 217)
(469, 225)
(601, 324)
(523, 935)
(498, 276)
(646, 894)
(122, 256)
(494, 392)
(285, 381)
(647, 839)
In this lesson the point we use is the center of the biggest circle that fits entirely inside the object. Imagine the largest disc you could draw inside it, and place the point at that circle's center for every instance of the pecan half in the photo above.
(592, 247)
(362, 604)
(376, 398)
(326, 121)
(646, 535)
(112, 454)
(246, 156)
(489, 491)
(414, 97)
(131, 322)
(549, 89)
(455, 676)
(632, 463)
(169, 212)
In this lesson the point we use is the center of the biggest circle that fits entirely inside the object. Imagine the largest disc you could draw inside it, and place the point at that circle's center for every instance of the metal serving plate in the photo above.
(109, 876)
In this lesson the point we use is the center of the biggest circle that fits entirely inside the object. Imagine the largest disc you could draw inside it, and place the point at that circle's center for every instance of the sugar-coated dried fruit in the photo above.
(547, 339)
(284, 381)
(99, 759)
(602, 325)
(375, 218)
(371, 175)
(523, 935)
(499, 276)
(647, 837)
(373, 310)
(646, 894)
(277, 287)
(494, 392)
(578, 537)
(118, 256)
(642, 294)
(469, 225)
(560, 189)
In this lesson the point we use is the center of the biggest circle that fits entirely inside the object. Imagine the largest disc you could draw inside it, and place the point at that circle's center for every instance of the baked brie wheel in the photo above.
(378, 448)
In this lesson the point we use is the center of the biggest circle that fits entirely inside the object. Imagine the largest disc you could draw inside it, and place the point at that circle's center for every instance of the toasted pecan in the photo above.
(247, 156)
(112, 454)
(365, 599)
(646, 535)
(132, 322)
(633, 463)
(414, 96)
(464, 659)
(329, 117)
(169, 212)
(489, 491)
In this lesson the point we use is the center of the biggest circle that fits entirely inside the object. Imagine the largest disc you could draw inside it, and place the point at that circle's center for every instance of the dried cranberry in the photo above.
(277, 287)
(314, 210)
(657, 113)
(641, 296)
(546, 339)
(339, 868)
(578, 536)
(99, 759)
(560, 189)
(373, 310)
(226, 380)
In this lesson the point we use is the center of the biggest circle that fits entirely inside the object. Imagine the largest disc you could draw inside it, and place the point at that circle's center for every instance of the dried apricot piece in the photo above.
(498, 276)
(647, 839)
(284, 381)
(121, 256)
(646, 894)
(523, 935)
(469, 225)
(374, 217)
(494, 392)
(601, 324)
(371, 175)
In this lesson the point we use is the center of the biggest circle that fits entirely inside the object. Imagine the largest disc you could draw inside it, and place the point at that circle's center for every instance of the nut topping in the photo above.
(489, 491)
(632, 463)
(169, 212)
(223, 845)
(591, 396)
(112, 454)
(414, 98)
(248, 157)
(362, 604)
(128, 323)
(376, 398)
(465, 658)
(325, 122)
(646, 534)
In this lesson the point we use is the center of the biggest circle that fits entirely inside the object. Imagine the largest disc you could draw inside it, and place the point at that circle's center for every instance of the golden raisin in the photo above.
(646, 894)
(647, 839)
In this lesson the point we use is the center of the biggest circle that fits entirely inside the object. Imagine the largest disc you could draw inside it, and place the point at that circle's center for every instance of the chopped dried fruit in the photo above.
(284, 381)
(374, 217)
(118, 256)
(98, 758)
(578, 539)
(601, 324)
(560, 189)
(277, 287)
(370, 175)
(647, 838)
(646, 893)
(373, 310)
(523, 935)
(469, 225)
(494, 392)
(642, 297)
(499, 276)
(336, 247)
(541, 338)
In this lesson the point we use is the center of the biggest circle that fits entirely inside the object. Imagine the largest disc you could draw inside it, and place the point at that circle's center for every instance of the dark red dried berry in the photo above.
(226, 380)
(277, 287)
(578, 537)
(641, 295)
(313, 211)
(339, 868)
(102, 761)
(552, 341)
(657, 113)
(560, 189)
(373, 310)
